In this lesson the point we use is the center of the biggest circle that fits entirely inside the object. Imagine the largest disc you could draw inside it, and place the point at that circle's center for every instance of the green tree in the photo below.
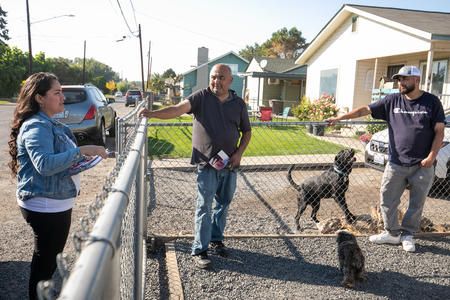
(123, 86)
(157, 83)
(251, 51)
(169, 73)
(13, 70)
(284, 43)
(3, 31)
(67, 71)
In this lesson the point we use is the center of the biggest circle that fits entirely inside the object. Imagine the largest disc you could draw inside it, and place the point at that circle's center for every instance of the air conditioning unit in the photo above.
(273, 81)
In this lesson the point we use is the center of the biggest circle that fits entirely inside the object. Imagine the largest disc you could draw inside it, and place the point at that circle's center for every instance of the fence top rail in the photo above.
(186, 124)
(133, 112)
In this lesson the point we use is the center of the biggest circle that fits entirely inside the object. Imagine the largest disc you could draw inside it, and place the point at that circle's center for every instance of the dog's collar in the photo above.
(339, 171)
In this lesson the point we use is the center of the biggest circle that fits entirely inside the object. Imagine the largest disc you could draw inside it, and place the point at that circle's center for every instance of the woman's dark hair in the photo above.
(27, 106)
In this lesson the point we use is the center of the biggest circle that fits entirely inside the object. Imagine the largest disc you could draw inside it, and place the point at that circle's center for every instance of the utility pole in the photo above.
(84, 64)
(30, 55)
(149, 66)
(142, 59)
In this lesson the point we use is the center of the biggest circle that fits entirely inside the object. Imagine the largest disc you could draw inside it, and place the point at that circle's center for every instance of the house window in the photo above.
(368, 81)
(328, 81)
(438, 73)
(354, 23)
(234, 68)
(392, 70)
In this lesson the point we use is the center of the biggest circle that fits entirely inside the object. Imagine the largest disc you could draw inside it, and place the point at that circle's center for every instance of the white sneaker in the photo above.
(385, 238)
(408, 243)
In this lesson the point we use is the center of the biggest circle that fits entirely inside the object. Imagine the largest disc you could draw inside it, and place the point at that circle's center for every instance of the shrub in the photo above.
(373, 128)
(319, 110)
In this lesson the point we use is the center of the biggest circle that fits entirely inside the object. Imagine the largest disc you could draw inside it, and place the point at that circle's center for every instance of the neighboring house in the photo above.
(274, 81)
(198, 78)
(362, 44)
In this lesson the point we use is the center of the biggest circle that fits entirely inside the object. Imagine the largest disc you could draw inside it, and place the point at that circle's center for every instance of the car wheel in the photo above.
(112, 130)
(126, 104)
(101, 140)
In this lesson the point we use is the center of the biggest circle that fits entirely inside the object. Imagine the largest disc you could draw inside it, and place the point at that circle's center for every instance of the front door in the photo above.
(438, 76)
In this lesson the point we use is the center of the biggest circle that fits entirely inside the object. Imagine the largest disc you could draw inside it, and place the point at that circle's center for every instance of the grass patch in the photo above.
(181, 119)
(4, 102)
(175, 141)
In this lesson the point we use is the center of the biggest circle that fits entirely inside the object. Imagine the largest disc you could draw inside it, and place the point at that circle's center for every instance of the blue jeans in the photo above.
(215, 190)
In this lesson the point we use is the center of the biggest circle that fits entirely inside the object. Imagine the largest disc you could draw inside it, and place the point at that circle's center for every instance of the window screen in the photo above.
(328, 81)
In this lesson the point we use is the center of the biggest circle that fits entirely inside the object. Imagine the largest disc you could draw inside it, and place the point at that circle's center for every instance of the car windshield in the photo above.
(134, 92)
(74, 96)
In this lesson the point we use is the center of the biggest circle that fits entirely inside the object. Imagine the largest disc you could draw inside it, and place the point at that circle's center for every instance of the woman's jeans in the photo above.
(215, 190)
(50, 234)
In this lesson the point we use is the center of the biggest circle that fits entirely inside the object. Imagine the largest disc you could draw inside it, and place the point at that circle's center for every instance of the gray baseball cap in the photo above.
(407, 71)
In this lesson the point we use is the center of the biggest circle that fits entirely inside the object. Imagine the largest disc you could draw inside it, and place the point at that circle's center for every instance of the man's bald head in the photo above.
(220, 80)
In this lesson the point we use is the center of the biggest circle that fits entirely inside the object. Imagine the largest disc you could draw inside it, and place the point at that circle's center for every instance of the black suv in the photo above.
(132, 96)
(87, 113)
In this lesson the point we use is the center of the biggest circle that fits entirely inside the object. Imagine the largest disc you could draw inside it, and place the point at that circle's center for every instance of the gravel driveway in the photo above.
(290, 268)
(257, 268)
(307, 268)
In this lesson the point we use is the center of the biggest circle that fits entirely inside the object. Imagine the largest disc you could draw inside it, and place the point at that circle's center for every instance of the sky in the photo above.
(175, 28)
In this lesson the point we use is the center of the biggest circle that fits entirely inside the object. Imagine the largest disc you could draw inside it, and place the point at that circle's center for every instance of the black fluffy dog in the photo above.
(351, 259)
(332, 183)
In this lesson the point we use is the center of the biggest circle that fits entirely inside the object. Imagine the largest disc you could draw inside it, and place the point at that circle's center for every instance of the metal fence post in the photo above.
(140, 221)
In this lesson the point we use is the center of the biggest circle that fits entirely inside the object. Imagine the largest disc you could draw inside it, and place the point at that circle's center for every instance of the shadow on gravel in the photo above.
(277, 217)
(386, 283)
(421, 248)
(14, 279)
(156, 277)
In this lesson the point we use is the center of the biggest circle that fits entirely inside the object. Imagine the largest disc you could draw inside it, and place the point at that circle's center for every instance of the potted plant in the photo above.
(321, 109)
(302, 112)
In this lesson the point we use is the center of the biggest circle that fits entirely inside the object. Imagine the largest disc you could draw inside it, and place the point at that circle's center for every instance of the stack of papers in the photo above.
(85, 164)
(220, 160)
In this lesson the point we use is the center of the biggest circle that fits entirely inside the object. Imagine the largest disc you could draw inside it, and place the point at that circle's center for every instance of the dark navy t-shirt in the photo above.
(216, 125)
(411, 125)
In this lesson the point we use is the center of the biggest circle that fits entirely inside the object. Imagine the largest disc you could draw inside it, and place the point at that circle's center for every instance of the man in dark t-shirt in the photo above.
(416, 129)
(220, 117)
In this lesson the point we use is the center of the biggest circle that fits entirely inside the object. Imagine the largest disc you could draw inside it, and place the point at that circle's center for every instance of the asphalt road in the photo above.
(6, 114)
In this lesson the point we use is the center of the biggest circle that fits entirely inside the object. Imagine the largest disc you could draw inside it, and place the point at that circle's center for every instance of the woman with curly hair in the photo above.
(42, 151)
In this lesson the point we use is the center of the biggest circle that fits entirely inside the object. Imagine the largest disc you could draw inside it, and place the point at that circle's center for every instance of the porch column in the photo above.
(283, 90)
(244, 86)
(259, 83)
(375, 71)
(428, 71)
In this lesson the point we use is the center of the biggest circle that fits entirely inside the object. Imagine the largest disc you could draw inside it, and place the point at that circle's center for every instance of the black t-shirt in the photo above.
(411, 125)
(217, 125)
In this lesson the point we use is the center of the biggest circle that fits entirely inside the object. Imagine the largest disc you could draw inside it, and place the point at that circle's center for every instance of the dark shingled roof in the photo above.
(277, 65)
(432, 22)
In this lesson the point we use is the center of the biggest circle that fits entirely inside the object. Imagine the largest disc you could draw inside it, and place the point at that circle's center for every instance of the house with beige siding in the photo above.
(361, 47)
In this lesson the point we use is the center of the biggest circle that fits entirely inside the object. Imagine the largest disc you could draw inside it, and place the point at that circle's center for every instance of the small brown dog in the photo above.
(351, 259)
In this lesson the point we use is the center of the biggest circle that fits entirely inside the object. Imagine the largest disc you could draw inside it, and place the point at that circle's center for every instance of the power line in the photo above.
(121, 11)
(134, 13)
(191, 31)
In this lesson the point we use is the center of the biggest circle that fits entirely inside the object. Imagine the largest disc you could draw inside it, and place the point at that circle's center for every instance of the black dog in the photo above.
(351, 259)
(333, 183)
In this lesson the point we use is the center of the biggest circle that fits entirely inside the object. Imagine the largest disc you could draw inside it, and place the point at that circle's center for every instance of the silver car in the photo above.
(87, 113)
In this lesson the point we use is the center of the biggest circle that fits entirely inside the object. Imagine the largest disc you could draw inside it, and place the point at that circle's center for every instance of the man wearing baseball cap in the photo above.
(415, 121)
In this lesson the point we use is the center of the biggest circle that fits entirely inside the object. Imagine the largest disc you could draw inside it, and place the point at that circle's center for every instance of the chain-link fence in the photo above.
(111, 253)
(266, 202)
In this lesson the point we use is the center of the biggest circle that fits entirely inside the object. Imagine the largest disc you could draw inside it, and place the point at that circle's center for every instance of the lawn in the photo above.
(175, 141)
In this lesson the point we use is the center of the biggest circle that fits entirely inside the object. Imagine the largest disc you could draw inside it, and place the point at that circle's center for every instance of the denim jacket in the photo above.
(45, 155)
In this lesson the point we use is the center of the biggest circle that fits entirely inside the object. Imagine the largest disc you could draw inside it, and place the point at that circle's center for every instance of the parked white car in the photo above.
(376, 154)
